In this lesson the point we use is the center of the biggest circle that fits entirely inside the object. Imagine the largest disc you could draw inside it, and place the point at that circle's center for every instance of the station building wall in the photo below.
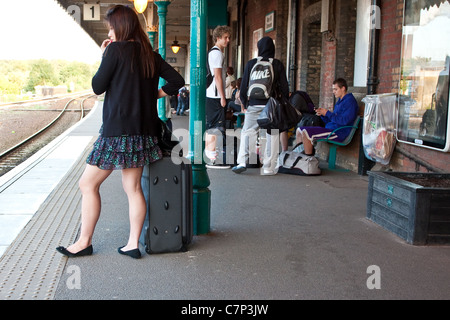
(322, 57)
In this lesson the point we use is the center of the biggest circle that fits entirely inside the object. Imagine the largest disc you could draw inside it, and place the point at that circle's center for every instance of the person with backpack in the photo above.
(183, 101)
(215, 96)
(263, 76)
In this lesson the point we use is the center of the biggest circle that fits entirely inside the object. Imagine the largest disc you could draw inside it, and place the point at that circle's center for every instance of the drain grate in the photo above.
(31, 267)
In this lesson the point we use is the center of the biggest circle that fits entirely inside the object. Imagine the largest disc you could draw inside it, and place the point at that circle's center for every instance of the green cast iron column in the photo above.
(202, 195)
(162, 12)
(151, 36)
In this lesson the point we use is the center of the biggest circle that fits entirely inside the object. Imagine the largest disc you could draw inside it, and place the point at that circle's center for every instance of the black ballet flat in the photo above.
(135, 253)
(85, 252)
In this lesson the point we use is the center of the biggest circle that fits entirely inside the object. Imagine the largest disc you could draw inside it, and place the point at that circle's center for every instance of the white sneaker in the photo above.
(211, 154)
(267, 172)
(217, 166)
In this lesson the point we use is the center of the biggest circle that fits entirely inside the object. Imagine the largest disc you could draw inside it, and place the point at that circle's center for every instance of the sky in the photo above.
(42, 29)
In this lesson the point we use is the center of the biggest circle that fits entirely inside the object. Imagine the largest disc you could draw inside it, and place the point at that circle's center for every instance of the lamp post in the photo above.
(202, 195)
(162, 13)
(152, 27)
(140, 5)
(152, 31)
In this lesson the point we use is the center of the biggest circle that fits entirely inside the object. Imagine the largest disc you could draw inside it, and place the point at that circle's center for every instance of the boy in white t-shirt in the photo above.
(215, 96)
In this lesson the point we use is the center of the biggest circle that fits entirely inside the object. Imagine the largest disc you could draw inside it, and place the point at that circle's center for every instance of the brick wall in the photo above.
(390, 45)
(338, 51)
(345, 35)
(308, 17)
(256, 12)
(314, 59)
(327, 73)
(282, 36)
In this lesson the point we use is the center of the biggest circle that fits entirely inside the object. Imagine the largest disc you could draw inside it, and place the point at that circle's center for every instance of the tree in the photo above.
(78, 73)
(42, 74)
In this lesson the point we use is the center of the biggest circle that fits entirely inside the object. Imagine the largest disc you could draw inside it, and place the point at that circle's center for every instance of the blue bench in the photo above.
(335, 144)
(239, 118)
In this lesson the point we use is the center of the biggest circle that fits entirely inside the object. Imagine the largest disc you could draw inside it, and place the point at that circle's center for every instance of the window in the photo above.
(424, 82)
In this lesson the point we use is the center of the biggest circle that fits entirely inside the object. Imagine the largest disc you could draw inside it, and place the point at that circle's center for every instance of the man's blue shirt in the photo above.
(345, 112)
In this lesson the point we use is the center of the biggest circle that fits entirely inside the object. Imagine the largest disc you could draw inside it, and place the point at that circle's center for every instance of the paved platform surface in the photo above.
(272, 238)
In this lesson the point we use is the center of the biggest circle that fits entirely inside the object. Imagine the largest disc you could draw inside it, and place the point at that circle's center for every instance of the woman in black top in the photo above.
(129, 74)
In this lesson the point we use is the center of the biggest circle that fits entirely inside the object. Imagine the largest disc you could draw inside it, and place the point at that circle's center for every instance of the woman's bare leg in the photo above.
(131, 181)
(89, 184)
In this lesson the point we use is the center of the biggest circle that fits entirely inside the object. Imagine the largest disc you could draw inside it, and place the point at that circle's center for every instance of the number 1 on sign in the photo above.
(91, 12)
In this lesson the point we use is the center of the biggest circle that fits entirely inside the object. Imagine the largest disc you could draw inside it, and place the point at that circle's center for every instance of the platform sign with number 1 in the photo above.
(91, 12)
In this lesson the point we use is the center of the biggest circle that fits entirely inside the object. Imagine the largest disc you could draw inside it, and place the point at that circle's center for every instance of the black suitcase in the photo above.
(167, 189)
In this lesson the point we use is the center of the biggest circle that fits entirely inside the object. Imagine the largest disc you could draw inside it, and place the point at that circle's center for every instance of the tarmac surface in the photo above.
(279, 237)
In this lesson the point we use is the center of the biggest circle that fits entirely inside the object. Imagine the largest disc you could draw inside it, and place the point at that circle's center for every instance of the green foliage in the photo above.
(13, 76)
(76, 74)
(17, 77)
(42, 73)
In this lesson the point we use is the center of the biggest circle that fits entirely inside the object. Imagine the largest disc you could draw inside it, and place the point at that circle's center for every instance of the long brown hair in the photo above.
(127, 27)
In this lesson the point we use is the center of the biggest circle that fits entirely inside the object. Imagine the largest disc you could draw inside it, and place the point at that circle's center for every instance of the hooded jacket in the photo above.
(266, 49)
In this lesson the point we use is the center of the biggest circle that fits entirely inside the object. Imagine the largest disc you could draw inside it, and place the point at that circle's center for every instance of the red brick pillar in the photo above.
(327, 73)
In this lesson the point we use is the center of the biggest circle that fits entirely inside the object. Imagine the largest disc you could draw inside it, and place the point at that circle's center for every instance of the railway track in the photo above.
(70, 111)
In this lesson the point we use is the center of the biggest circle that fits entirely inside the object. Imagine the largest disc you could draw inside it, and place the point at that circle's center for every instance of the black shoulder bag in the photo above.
(166, 140)
(279, 113)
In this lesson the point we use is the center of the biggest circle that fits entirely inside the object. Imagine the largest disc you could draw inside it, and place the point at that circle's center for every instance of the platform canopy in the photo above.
(426, 4)
(90, 15)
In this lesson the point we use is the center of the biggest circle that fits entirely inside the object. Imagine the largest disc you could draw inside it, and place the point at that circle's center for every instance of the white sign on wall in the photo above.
(91, 12)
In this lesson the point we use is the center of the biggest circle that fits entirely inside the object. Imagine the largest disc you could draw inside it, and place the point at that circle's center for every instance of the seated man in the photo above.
(235, 104)
(345, 112)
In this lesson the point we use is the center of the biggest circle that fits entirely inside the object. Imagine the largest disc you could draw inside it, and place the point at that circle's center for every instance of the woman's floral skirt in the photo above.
(116, 153)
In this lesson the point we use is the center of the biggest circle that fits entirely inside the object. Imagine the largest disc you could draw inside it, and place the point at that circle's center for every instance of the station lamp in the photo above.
(140, 5)
(175, 46)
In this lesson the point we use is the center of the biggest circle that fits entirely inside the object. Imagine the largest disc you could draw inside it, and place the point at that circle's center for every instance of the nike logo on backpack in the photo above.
(260, 75)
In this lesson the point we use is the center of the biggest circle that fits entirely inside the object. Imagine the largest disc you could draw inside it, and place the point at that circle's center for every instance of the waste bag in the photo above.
(379, 127)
